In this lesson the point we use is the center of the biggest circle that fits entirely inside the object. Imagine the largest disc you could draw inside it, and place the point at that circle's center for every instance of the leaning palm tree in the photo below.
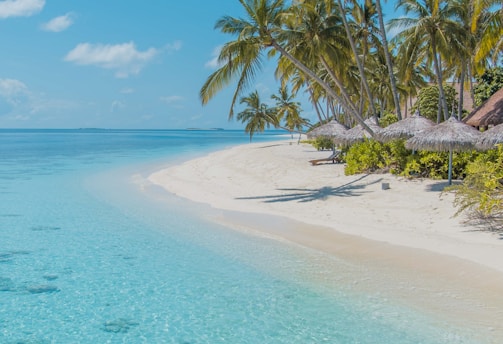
(256, 115)
(243, 57)
(356, 56)
(314, 34)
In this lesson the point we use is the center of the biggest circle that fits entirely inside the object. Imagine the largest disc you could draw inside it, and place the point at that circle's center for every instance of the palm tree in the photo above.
(314, 34)
(411, 68)
(289, 110)
(242, 58)
(364, 31)
(491, 40)
(432, 22)
(389, 63)
(356, 56)
(256, 115)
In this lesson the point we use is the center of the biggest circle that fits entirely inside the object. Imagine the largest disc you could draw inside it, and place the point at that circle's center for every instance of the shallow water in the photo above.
(87, 256)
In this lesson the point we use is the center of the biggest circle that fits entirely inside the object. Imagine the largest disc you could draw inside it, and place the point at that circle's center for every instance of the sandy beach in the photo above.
(277, 179)
(408, 228)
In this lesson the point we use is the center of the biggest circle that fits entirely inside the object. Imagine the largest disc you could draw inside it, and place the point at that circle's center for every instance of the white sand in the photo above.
(276, 178)
(405, 242)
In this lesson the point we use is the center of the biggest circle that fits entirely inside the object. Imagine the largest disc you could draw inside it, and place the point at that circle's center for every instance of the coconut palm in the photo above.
(356, 56)
(243, 57)
(389, 63)
(315, 36)
(473, 17)
(364, 28)
(411, 68)
(256, 115)
(491, 41)
(289, 110)
(433, 22)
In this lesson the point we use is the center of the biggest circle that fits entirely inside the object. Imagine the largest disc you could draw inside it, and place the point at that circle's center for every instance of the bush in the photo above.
(435, 165)
(323, 143)
(482, 190)
(428, 98)
(371, 156)
(393, 157)
(387, 119)
(364, 157)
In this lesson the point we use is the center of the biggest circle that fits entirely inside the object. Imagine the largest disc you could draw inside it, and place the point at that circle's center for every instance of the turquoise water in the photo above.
(87, 257)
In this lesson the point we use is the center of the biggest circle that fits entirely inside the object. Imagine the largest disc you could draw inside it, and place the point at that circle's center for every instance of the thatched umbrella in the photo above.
(405, 128)
(451, 135)
(330, 129)
(489, 113)
(358, 133)
(491, 137)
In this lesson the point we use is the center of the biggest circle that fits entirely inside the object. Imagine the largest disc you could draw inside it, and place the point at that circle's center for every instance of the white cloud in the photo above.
(13, 91)
(127, 91)
(196, 117)
(213, 63)
(20, 8)
(171, 99)
(175, 46)
(23, 103)
(125, 59)
(117, 105)
(58, 24)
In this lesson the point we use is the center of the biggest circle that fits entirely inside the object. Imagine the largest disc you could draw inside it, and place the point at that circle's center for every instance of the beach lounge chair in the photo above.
(335, 157)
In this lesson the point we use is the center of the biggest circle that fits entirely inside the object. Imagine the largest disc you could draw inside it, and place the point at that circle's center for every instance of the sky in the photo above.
(120, 64)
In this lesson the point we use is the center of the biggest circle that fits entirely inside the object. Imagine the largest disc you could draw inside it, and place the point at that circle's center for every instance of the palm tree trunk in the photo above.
(315, 103)
(389, 64)
(339, 84)
(323, 84)
(438, 70)
(357, 59)
(470, 80)
(461, 90)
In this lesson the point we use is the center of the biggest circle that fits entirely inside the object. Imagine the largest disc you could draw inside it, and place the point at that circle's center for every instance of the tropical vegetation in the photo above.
(338, 52)
(342, 56)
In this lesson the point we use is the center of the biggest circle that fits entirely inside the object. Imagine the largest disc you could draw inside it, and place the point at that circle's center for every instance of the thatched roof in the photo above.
(489, 113)
(491, 137)
(358, 133)
(451, 135)
(330, 129)
(405, 128)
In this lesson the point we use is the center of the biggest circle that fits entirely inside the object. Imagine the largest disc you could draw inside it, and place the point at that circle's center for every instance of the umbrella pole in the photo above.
(450, 167)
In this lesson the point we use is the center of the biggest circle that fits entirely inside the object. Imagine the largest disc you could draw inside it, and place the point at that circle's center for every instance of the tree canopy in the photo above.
(338, 52)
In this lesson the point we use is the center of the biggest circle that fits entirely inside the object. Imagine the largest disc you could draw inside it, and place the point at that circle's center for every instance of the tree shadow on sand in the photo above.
(309, 195)
(484, 223)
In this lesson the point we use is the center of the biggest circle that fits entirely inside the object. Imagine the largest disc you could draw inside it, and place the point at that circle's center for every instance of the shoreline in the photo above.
(405, 238)
(275, 178)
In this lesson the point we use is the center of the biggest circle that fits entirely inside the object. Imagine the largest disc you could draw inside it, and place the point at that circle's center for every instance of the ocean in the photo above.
(91, 254)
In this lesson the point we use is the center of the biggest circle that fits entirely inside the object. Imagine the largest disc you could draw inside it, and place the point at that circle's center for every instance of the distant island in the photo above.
(204, 129)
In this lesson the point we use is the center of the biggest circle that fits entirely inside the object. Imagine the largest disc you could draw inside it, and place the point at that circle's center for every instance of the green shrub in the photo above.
(323, 143)
(387, 119)
(398, 156)
(435, 165)
(371, 156)
(366, 156)
(481, 192)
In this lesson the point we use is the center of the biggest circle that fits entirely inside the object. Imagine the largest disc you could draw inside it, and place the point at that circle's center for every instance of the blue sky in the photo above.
(114, 64)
